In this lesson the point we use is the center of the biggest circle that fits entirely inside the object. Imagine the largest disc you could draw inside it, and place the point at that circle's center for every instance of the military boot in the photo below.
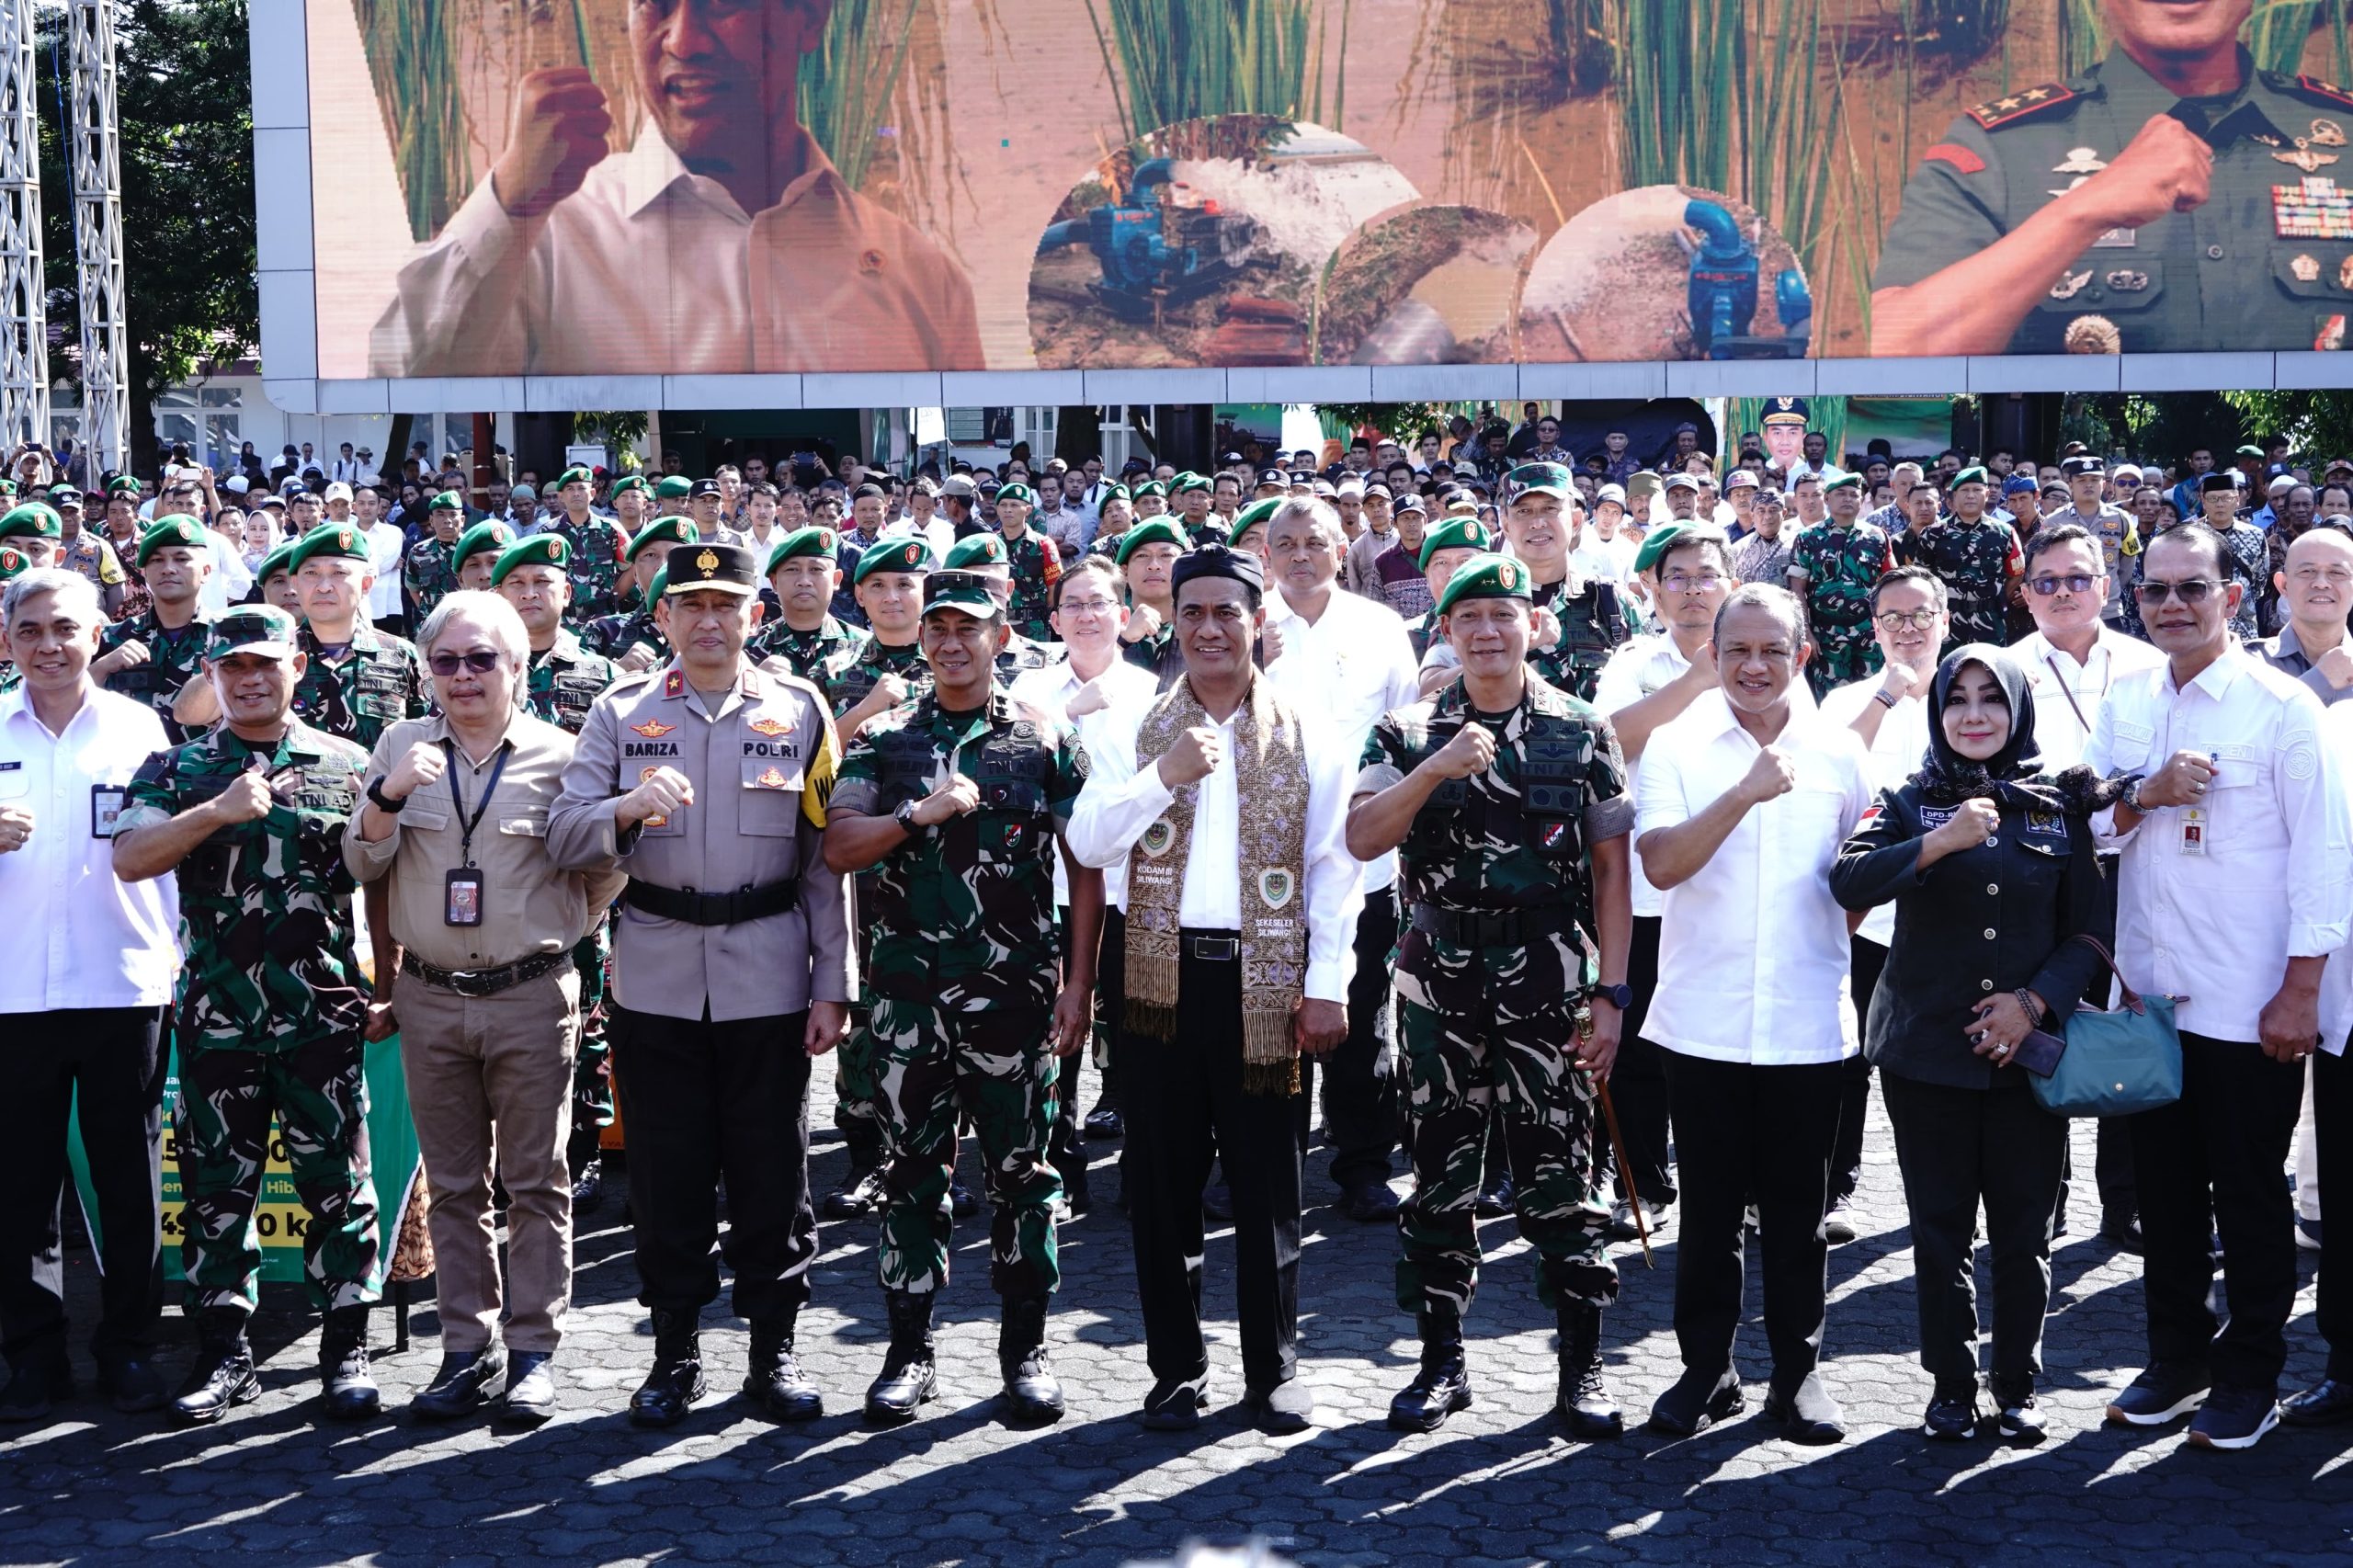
(675, 1383)
(862, 1192)
(1443, 1385)
(908, 1376)
(1585, 1403)
(774, 1381)
(1032, 1392)
(346, 1385)
(224, 1373)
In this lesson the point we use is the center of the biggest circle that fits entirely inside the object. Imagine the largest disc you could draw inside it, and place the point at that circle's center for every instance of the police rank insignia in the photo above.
(1275, 887)
(653, 729)
(1158, 839)
(2312, 208)
(770, 727)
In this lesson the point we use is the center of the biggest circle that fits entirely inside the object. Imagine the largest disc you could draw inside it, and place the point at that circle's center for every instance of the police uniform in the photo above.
(2266, 262)
(268, 1018)
(1497, 952)
(731, 928)
(2118, 531)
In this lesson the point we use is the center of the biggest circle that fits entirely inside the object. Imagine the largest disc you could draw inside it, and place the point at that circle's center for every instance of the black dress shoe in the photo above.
(1177, 1406)
(530, 1388)
(460, 1384)
(2325, 1403)
(1369, 1202)
(2122, 1233)
(1286, 1407)
(1497, 1199)
(1697, 1402)
(1105, 1120)
(1807, 1413)
(35, 1384)
(131, 1384)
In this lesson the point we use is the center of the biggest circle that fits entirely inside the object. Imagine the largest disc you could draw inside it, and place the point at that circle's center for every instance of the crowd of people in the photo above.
(1579, 831)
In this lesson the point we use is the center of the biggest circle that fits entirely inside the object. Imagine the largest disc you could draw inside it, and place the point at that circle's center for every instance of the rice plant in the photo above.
(415, 71)
(2082, 36)
(843, 100)
(1172, 61)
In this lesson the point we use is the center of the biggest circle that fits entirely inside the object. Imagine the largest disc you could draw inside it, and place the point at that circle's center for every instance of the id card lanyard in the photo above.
(463, 892)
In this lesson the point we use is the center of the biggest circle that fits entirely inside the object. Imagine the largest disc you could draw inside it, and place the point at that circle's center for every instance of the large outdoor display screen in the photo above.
(734, 187)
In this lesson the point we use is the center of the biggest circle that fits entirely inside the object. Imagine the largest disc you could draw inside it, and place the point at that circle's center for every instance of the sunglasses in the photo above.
(482, 661)
(2046, 587)
(2192, 592)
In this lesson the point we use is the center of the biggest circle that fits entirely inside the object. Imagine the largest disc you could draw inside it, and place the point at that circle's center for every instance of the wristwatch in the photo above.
(1621, 995)
(905, 817)
(391, 807)
(2132, 797)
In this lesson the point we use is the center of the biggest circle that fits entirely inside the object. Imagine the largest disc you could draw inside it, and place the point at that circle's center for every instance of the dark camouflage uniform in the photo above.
(1496, 1022)
(613, 635)
(1021, 654)
(966, 962)
(1158, 654)
(427, 576)
(854, 681)
(1037, 567)
(595, 569)
(269, 1013)
(1841, 565)
(817, 656)
(1593, 626)
(1974, 561)
(174, 659)
(380, 682)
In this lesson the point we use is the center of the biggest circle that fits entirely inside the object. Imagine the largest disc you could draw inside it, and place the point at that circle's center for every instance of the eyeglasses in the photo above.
(1090, 607)
(2192, 592)
(482, 661)
(1897, 620)
(1686, 582)
(2046, 587)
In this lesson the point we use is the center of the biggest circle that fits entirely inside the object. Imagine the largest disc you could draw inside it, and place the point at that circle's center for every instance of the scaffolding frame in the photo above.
(98, 236)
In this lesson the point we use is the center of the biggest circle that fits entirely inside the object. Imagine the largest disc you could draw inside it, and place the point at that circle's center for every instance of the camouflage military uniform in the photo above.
(1158, 654)
(270, 1008)
(965, 966)
(1841, 565)
(615, 635)
(595, 547)
(1593, 626)
(174, 658)
(854, 681)
(817, 656)
(427, 575)
(1021, 653)
(1037, 567)
(1975, 561)
(1492, 1020)
(379, 681)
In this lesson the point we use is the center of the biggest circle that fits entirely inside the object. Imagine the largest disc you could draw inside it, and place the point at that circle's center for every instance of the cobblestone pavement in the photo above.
(1500, 1485)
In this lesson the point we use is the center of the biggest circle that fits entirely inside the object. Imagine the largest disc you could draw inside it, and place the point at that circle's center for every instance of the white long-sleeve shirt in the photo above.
(1346, 669)
(2213, 899)
(1119, 802)
(1894, 755)
(1123, 684)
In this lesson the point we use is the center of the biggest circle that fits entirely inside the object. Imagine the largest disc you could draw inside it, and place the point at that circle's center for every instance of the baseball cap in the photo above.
(967, 591)
(264, 629)
(339, 491)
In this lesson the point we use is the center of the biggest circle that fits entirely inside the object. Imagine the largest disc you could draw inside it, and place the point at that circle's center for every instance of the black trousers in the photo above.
(1747, 1133)
(2332, 1125)
(1866, 959)
(2217, 1158)
(1067, 1147)
(1638, 1080)
(1360, 1108)
(104, 1067)
(1959, 1149)
(1184, 1102)
(702, 1101)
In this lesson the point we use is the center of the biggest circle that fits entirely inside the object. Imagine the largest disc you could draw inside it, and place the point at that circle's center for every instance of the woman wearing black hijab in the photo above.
(1989, 864)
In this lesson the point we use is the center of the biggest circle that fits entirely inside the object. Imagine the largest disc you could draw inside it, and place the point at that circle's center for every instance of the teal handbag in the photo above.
(2115, 1062)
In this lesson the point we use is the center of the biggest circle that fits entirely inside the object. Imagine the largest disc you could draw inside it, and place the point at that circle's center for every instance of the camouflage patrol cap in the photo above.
(979, 550)
(662, 531)
(176, 530)
(966, 591)
(1487, 576)
(329, 541)
(490, 534)
(539, 549)
(1151, 530)
(900, 554)
(34, 519)
(816, 542)
(264, 629)
(1455, 533)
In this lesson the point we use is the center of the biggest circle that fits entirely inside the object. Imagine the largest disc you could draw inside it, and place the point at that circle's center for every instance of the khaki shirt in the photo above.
(529, 904)
(763, 772)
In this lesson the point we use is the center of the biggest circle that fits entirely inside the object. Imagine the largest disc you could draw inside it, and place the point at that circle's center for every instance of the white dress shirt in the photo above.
(2273, 875)
(2336, 977)
(1123, 686)
(386, 545)
(1348, 669)
(229, 581)
(2068, 695)
(1895, 755)
(1119, 803)
(824, 280)
(1725, 991)
(79, 936)
(1641, 668)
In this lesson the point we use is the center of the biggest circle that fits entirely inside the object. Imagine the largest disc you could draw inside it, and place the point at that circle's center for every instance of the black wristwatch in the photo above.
(905, 817)
(1621, 995)
(376, 794)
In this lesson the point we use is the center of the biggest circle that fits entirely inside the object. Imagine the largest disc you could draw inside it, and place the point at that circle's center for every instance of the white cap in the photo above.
(236, 484)
(2281, 484)
(2122, 470)
(1610, 493)
(339, 490)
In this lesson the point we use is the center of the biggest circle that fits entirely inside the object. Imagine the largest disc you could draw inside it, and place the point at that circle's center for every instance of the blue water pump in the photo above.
(1723, 283)
(1154, 253)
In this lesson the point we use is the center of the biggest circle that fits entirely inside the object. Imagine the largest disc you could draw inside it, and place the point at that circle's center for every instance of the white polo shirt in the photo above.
(79, 936)
(1753, 948)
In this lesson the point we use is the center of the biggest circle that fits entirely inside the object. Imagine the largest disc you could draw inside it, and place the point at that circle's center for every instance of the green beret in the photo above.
(1541, 479)
(675, 487)
(815, 541)
(1188, 480)
(538, 550)
(277, 561)
(1455, 533)
(967, 591)
(662, 530)
(634, 482)
(1255, 513)
(1487, 576)
(120, 484)
(2249, 450)
(253, 629)
(14, 564)
(1844, 481)
(1654, 545)
(1971, 475)
(1151, 530)
(656, 588)
(1150, 487)
(448, 501)
(489, 534)
(179, 529)
(329, 541)
(1115, 493)
(576, 474)
(899, 554)
(1018, 491)
(979, 550)
(34, 519)
(8, 487)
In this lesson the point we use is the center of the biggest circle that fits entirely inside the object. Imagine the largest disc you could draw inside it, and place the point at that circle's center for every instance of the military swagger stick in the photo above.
(1584, 1016)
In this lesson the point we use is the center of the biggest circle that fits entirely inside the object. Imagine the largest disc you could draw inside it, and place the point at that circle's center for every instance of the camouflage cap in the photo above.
(1455, 533)
(967, 591)
(1151, 530)
(329, 541)
(662, 531)
(264, 629)
(34, 519)
(816, 542)
(489, 534)
(539, 549)
(1486, 576)
(979, 550)
(176, 530)
(899, 554)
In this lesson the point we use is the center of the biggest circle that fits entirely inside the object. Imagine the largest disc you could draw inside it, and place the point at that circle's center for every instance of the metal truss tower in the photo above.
(23, 315)
(97, 234)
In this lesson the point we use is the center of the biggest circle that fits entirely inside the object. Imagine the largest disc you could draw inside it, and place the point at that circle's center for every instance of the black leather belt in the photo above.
(483, 981)
(1489, 927)
(1210, 946)
(747, 903)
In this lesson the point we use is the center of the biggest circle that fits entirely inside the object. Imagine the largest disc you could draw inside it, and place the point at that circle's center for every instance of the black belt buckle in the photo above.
(1214, 950)
(1489, 928)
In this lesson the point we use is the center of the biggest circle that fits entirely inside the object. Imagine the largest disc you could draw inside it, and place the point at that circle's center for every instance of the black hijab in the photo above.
(2013, 777)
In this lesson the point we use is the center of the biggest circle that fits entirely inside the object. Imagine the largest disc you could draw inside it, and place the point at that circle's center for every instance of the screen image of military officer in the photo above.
(804, 570)
(712, 773)
(154, 654)
(1507, 800)
(2171, 197)
(957, 803)
(537, 576)
(252, 818)
(631, 636)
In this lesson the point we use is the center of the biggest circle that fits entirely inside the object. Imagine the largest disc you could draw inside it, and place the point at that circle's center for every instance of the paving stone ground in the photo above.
(1499, 1485)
